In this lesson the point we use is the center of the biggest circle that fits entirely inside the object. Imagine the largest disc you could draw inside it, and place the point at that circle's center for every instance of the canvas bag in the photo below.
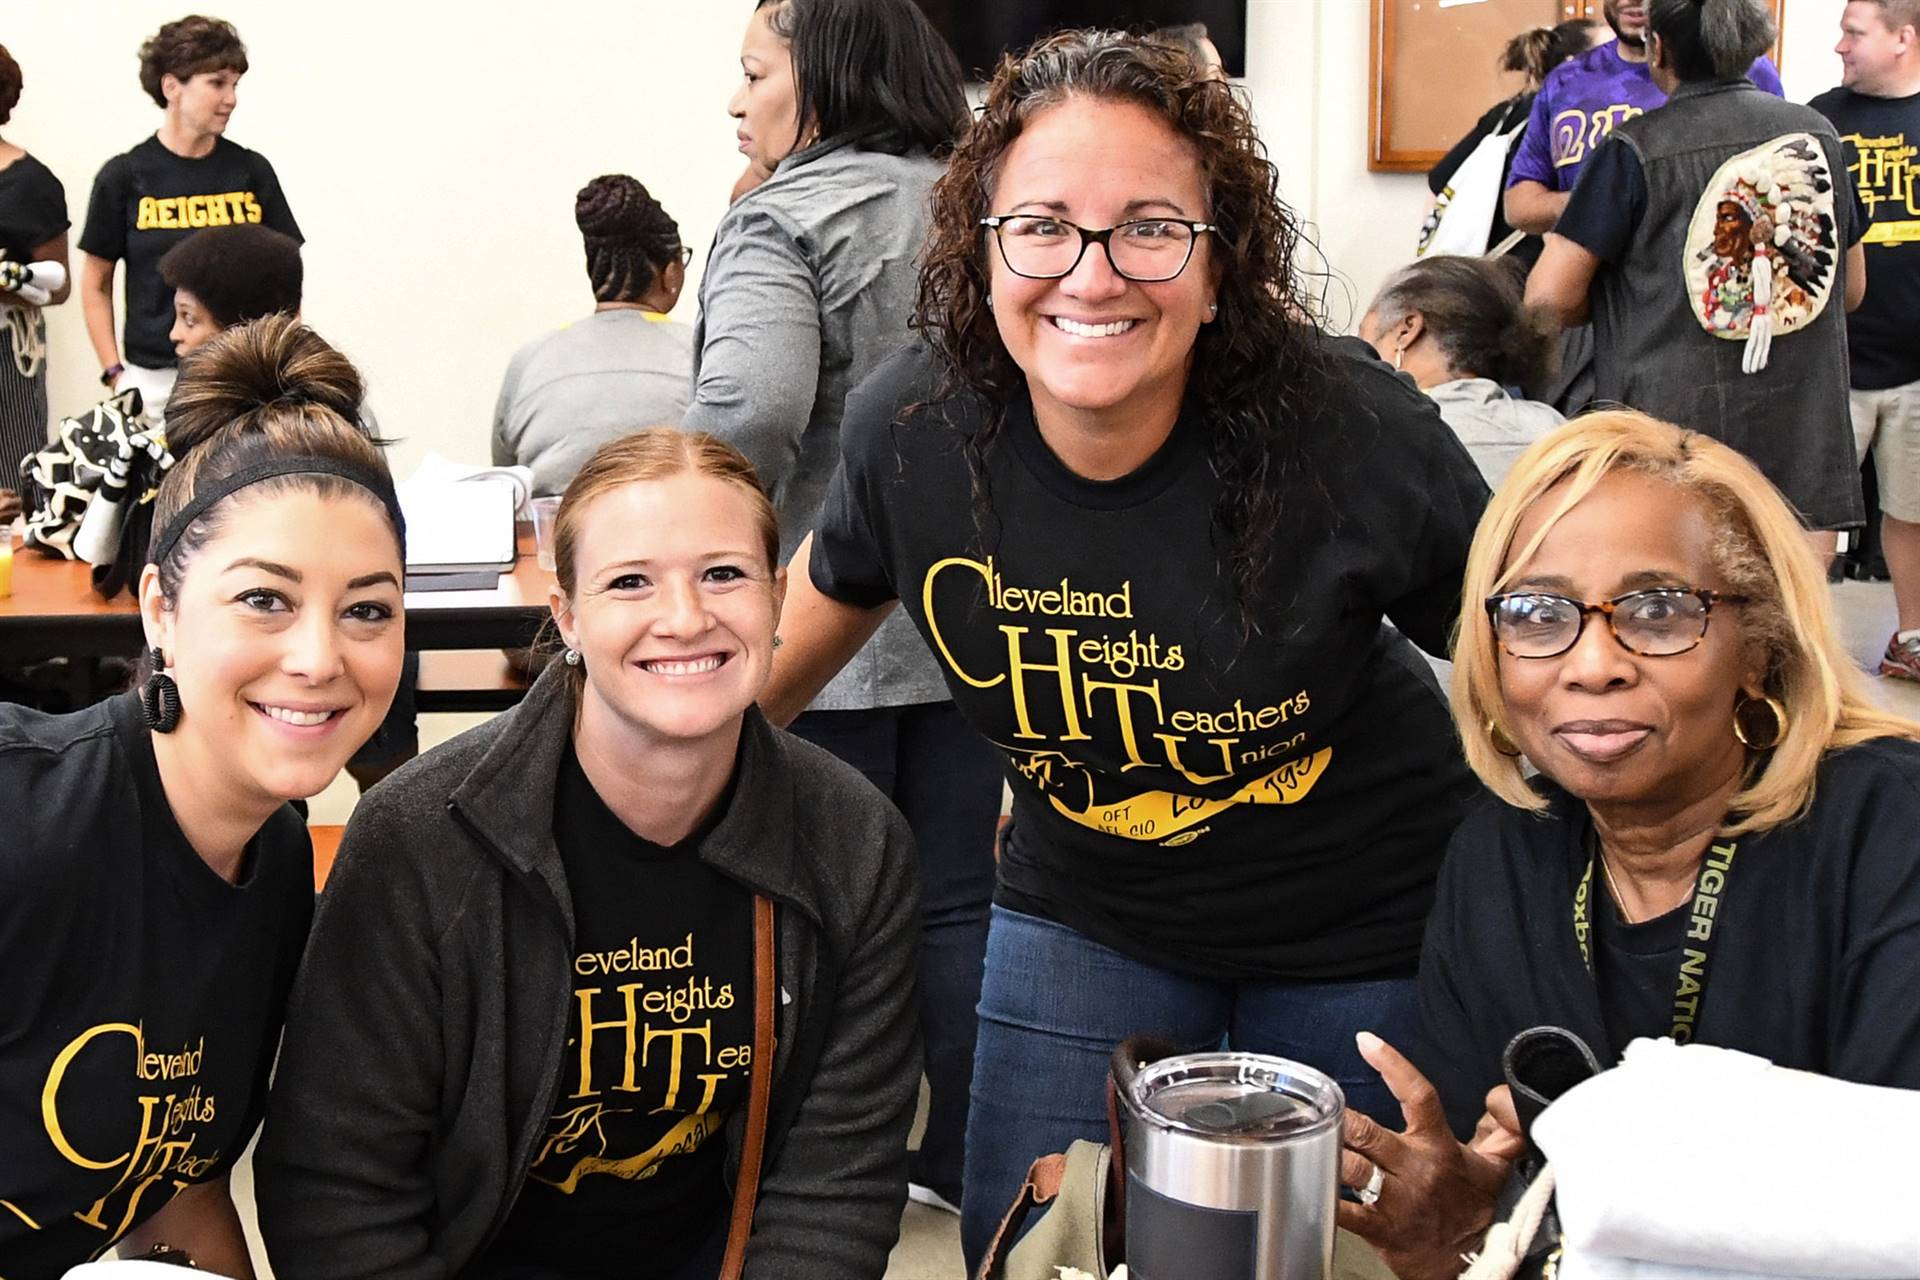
(1463, 219)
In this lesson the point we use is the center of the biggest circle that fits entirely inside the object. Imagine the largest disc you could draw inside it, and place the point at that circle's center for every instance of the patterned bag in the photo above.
(114, 445)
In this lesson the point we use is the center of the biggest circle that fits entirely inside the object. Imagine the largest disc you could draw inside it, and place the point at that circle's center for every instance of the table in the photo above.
(54, 612)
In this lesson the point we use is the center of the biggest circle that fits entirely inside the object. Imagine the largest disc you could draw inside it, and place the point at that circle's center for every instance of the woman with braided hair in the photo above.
(620, 369)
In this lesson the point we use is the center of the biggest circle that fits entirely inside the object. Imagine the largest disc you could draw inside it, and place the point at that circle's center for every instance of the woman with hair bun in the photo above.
(1459, 328)
(155, 883)
(620, 369)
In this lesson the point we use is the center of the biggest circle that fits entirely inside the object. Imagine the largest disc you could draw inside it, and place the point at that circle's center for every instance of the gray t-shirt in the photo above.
(1495, 427)
(597, 379)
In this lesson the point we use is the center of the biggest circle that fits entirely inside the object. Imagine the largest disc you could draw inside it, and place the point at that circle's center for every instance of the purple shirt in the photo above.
(1580, 103)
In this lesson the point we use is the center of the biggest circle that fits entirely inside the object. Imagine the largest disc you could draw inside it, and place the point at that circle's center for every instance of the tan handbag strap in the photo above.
(1040, 1188)
(746, 1188)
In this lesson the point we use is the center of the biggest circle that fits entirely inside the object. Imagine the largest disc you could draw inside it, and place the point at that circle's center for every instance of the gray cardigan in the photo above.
(807, 289)
(425, 1031)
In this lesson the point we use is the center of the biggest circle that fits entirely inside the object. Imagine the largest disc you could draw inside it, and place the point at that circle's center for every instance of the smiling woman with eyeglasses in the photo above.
(1720, 844)
(1149, 520)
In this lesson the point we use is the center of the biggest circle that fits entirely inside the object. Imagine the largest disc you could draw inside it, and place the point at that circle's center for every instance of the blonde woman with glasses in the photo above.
(1715, 786)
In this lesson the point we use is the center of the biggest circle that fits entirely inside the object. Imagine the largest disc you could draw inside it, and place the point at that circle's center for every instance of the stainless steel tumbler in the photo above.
(1233, 1165)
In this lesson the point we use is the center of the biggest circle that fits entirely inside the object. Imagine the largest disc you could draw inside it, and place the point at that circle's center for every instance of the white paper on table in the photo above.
(501, 595)
(458, 525)
(1702, 1157)
(437, 468)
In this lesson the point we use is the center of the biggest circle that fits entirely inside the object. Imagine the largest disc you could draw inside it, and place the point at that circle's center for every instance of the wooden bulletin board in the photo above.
(1432, 70)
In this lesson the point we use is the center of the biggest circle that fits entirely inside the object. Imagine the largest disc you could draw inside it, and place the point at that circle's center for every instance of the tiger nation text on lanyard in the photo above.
(1690, 986)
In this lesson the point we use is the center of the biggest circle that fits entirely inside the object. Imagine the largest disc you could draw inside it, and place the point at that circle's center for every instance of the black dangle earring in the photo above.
(160, 696)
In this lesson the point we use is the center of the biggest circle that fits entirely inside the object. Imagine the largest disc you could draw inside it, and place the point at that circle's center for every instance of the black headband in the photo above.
(374, 482)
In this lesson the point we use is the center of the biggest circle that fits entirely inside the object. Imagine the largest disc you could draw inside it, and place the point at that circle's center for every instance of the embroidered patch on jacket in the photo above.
(1762, 249)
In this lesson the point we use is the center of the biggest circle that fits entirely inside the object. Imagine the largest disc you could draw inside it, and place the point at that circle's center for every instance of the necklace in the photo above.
(1614, 889)
(1709, 887)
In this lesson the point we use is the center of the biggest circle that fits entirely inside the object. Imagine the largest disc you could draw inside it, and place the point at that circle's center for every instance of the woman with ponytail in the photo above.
(155, 883)
(620, 369)
(1532, 54)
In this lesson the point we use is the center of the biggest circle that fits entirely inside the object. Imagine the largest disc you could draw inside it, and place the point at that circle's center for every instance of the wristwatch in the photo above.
(111, 372)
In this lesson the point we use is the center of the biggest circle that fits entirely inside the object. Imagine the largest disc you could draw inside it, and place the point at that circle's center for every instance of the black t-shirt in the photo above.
(33, 208)
(1814, 950)
(1881, 136)
(630, 1177)
(1635, 968)
(148, 200)
(143, 993)
(1219, 803)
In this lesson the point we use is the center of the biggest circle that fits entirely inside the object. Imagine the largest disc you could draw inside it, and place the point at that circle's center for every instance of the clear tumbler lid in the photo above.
(1249, 1096)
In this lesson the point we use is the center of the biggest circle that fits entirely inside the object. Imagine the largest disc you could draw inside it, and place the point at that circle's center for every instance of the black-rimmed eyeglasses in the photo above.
(1144, 250)
(686, 255)
(1658, 623)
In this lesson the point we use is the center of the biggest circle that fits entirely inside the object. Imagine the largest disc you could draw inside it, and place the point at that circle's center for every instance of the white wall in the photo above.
(431, 156)
(435, 184)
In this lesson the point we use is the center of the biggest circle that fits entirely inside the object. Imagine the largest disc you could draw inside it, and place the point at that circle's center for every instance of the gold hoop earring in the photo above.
(1501, 742)
(1772, 704)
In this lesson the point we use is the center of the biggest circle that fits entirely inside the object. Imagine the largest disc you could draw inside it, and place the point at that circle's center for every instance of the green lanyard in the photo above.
(1690, 985)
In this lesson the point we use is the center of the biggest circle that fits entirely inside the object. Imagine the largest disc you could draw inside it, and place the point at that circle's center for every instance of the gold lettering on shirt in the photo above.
(663, 1061)
(162, 1158)
(1883, 174)
(1071, 675)
(178, 213)
(1574, 132)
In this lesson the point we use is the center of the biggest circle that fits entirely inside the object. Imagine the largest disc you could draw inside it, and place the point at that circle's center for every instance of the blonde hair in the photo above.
(1760, 549)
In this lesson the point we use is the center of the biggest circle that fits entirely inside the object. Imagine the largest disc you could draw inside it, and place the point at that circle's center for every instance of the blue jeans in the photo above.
(1054, 1004)
(945, 778)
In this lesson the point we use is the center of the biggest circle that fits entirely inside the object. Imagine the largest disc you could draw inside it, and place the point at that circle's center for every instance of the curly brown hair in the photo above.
(1257, 371)
(185, 48)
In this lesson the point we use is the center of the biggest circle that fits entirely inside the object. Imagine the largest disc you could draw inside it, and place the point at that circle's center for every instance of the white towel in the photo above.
(1698, 1157)
(1576, 1265)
